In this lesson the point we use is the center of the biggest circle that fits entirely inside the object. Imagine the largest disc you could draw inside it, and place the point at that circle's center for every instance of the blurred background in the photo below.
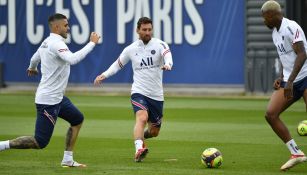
(218, 46)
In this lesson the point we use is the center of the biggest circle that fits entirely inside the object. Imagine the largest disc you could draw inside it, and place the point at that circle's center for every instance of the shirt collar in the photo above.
(282, 25)
(140, 42)
(57, 36)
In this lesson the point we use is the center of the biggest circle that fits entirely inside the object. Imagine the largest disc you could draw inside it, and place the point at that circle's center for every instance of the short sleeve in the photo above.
(295, 33)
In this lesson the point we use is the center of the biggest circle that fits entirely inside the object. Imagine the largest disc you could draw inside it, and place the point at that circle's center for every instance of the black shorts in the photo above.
(47, 116)
(298, 88)
(153, 107)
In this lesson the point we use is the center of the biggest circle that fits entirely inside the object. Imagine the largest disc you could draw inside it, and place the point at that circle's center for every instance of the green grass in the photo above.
(235, 126)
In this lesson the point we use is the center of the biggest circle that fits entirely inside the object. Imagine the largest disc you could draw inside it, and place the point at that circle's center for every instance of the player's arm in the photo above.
(64, 53)
(299, 49)
(113, 69)
(35, 60)
(167, 57)
(278, 81)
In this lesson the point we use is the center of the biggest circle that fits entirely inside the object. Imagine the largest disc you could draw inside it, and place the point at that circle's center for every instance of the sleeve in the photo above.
(35, 60)
(122, 60)
(166, 55)
(295, 33)
(61, 49)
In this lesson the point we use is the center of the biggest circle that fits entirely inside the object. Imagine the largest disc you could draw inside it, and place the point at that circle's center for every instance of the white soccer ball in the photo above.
(212, 158)
(302, 128)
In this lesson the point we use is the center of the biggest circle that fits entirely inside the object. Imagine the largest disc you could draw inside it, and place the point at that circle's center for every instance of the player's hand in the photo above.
(288, 90)
(277, 83)
(32, 72)
(166, 67)
(98, 80)
(94, 37)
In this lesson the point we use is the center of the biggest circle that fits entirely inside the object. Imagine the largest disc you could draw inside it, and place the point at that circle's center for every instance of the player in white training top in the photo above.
(55, 59)
(149, 57)
(291, 45)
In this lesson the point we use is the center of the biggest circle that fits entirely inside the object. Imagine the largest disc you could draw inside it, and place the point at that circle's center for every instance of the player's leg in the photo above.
(23, 142)
(139, 105)
(278, 103)
(155, 114)
(71, 114)
(45, 121)
(297, 156)
(151, 131)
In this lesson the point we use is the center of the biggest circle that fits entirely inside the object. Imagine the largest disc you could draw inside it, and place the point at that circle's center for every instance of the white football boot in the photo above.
(294, 160)
(72, 164)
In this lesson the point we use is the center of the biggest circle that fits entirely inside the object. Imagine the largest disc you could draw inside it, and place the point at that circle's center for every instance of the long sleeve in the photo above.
(166, 55)
(118, 64)
(113, 69)
(35, 60)
(61, 49)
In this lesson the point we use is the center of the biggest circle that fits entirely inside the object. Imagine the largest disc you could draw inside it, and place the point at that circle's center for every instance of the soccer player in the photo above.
(55, 59)
(291, 45)
(149, 57)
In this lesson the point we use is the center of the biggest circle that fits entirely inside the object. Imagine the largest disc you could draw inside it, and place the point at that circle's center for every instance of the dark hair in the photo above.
(143, 20)
(55, 17)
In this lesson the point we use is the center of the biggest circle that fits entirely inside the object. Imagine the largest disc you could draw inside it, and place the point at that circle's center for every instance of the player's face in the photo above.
(145, 32)
(270, 19)
(63, 28)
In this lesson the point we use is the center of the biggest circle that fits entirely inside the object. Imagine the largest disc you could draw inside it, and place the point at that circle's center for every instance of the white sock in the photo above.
(293, 148)
(138, 144)
(68, 156)
(4, 145)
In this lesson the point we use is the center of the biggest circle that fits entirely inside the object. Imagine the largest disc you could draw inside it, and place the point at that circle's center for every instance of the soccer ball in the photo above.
(302, 128)
(212, 158)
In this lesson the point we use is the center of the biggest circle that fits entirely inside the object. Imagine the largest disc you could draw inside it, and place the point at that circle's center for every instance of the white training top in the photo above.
(55, 58)
(289, 33)
(147, 61)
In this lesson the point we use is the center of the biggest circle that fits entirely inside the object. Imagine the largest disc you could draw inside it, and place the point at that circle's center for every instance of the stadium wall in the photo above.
(206, 37)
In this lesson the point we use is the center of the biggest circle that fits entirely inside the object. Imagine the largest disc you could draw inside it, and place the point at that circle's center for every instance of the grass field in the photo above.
(235, 126)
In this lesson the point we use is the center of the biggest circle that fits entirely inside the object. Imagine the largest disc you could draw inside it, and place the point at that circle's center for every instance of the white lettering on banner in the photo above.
(9, 30)
(161, 15)
(59, 8)
(132, 10)
(80, 33)
(123, 17)
(98, 20)
(198, 35)
(167, 17)
(141, 9)
(178, 22)
(34, 34)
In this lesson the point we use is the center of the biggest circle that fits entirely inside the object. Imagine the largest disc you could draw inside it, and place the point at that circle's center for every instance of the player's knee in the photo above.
(270, 115)
(78, 121)
(42, 142)
(154, 132)
(142, 119)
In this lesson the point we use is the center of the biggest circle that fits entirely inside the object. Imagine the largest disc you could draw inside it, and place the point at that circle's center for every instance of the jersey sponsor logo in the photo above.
(146, 62)
(63, 50)
(153, 52)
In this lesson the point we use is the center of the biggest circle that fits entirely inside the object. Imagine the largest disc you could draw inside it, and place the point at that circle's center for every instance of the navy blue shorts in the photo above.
(298, 88)
(153, 107)
(47, 116)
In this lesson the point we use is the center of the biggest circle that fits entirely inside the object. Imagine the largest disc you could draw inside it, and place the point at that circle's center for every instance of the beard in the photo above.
(146, 39)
